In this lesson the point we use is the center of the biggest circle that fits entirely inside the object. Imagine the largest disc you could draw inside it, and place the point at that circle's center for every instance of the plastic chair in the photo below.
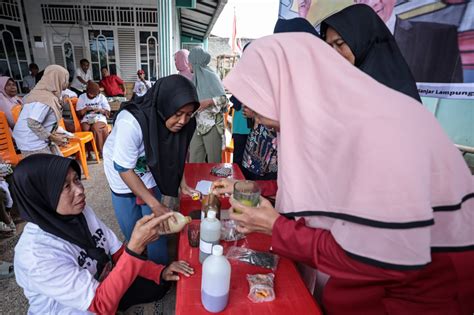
(7, 150)
(74, 147)
(82, 136)
(228, 152)
(16, 112)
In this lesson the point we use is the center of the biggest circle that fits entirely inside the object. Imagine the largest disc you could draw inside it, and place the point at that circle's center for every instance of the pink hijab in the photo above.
(7, 102)
(357, 158)
(182, 64)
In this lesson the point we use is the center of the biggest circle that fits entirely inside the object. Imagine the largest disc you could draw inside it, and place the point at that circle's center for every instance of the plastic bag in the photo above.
(261, 288)
(221, 171)
(229, 231)
(252, 257)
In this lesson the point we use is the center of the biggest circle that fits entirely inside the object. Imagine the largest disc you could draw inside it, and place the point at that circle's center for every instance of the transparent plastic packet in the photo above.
(261, 287)
(252, 257)
(229, 231)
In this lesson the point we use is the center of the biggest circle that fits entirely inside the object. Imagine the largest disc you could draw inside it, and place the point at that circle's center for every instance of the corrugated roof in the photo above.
(198, 22)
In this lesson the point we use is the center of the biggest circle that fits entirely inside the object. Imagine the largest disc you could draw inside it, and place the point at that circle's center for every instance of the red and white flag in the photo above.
(234, 42)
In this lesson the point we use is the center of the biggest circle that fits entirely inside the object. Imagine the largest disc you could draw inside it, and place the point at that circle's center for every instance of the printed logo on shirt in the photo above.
(85, 261)
(141, 168)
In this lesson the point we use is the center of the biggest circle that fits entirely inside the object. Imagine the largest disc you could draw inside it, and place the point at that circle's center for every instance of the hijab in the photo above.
(182, 63)
(6, 101)
(165, 150)
(208, 84)
(387, 183)
(48, 89)
(374, 47)
(38, 184)
(295, 25)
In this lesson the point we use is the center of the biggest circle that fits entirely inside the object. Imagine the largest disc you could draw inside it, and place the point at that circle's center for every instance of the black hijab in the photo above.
(165, 150)
(374, 47)
(295, 25)
(38, 183)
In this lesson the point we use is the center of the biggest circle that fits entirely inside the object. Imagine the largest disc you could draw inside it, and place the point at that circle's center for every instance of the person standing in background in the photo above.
(182, 63)
(29, 81)
(141, 85)
(82, 75)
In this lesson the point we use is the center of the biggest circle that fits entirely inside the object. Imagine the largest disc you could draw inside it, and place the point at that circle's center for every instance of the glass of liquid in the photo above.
(247, 193)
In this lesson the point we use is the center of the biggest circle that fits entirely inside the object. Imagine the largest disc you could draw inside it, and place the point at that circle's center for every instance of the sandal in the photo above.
(6, 270)
(4, 228)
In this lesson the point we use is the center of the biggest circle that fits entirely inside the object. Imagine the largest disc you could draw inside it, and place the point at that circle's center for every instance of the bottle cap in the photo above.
(217, 250)
(211, 214)
(188, 219)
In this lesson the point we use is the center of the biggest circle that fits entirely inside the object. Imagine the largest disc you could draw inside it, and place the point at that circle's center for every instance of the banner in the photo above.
(436, 37)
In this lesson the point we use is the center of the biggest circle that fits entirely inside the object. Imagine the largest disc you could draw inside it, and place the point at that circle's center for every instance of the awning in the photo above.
(197, 22)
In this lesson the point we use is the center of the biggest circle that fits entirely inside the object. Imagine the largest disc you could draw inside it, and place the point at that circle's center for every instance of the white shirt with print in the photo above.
(25, 138)
(140, 89)
(58, 277)
(125, 147)
(98, 102)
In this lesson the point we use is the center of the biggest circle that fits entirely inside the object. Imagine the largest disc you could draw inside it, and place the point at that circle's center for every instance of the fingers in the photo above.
(145, 219)
(264, 203)
(161, 219)
(182, 267)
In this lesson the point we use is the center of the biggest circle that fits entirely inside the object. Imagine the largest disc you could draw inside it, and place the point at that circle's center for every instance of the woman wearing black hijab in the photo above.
(295, 25)
(67, 260)
(360, 36)
(144, 155)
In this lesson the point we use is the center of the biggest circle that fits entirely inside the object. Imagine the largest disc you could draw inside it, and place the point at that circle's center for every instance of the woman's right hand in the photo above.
(59, 139)
(223, 186)
(247, 112)
(146, 230)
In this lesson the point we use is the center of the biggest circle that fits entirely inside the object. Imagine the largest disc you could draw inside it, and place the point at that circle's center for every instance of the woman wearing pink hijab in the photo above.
(8, 98)
(182, 64)
(382, 200)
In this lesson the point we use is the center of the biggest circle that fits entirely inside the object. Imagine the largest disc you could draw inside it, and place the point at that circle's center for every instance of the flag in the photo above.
(234, 42)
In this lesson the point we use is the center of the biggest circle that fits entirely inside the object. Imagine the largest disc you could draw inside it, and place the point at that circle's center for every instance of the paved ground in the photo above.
(98, 197)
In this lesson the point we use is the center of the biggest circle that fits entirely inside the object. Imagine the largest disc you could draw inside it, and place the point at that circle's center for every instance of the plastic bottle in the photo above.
(215, 281)
(210, 234)
(180, 223)
(209, 203)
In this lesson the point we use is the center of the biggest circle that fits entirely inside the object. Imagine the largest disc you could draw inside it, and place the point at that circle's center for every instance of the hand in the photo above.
(59, 139)
(250, 219)
(146, 230)
(247, 112)
(182, 267)
(185, 189)
(159, 209)
(223, 186)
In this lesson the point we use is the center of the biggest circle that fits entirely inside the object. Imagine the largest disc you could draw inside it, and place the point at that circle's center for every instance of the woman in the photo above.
(94, 110)
(382, 198)
(182, 64)
(36, 128)
(208, 138)
(8, 98)
(67, 260)
(144, 155)
(359, 35)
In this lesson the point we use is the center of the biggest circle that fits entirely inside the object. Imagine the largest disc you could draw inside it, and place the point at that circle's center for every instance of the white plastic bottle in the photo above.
(210, 235)
(180, 223)
(215, 281)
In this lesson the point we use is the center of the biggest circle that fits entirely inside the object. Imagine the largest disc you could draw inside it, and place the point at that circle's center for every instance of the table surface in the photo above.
(194, 172)
(292, 296)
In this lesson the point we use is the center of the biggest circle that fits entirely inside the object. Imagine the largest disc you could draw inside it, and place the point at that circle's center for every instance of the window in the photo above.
(13, 57)
(149, 61)
(102, 48)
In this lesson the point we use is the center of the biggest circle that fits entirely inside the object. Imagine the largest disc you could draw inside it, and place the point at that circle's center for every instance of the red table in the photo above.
(194, 172)
(292, 297)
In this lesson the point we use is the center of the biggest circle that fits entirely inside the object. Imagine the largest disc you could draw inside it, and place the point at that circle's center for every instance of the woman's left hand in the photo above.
(177, 267)
(250, 219)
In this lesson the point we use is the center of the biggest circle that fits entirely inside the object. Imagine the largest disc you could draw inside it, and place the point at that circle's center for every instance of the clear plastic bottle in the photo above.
(180, 223)
(210, 234)
(215, 283)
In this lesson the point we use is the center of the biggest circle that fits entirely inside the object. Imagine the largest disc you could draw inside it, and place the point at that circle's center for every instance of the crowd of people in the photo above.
(369, 195)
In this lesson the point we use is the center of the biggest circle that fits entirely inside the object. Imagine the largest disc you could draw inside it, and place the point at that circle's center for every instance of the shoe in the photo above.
(6, 270)
(92, 156)
(5, 228)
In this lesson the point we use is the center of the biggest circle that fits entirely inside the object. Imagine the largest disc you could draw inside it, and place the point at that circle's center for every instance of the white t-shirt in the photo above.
(58, 277)
(125, 147)
(29, 82)
(98, 102)
(25, 138)
(140, 89)
(85, 76)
